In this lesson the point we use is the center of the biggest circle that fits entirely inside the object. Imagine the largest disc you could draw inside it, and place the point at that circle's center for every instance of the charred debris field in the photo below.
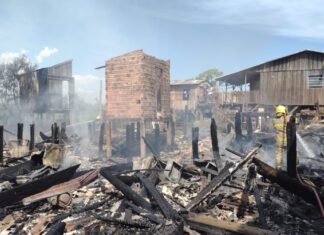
(210, 180)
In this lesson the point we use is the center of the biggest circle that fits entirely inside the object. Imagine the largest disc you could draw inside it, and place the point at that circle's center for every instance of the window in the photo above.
(185, 95)
(315, 81)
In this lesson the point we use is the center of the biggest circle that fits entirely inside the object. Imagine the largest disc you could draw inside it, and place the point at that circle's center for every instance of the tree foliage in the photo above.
(210, 76)
(10, 74)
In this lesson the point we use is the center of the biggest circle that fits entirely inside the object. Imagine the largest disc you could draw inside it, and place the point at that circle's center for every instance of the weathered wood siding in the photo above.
(196, 96)
(284, 81)
(289, 88)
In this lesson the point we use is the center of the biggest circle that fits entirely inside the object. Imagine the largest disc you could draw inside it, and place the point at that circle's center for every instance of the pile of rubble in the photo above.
(46, 192)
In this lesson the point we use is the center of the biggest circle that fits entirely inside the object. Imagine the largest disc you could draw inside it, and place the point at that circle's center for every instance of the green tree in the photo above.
(9, 79)
(210, 76)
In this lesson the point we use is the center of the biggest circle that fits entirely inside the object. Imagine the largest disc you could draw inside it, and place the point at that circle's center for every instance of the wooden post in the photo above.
(1, 144)
(238, 126)
(32, 137)
(195, 137)
(215, 146)
(128, 141)
(101, 139)
(20, 132)
(56, 133)
(132, 136)
(108, 141)
(157, 138)
(63, 135)
(142, 143)
(169, 134)
(291, 147)
(249, 127)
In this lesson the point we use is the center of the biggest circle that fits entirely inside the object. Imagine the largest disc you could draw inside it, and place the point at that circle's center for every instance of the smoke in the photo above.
(46, 52)
(9, 57)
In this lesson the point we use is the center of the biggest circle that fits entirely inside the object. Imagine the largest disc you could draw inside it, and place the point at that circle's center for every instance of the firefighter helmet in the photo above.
(281, 109)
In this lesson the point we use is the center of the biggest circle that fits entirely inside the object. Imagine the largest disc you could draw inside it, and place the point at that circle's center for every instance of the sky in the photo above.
(194, 35)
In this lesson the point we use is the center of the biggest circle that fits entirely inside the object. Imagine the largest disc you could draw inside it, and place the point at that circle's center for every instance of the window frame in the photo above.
(315, 84)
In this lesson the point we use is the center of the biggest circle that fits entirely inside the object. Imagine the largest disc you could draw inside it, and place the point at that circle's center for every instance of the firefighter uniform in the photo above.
(280, 124)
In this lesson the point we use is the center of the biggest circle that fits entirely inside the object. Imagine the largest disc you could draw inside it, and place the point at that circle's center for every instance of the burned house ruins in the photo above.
(49, 92)
(136, 171)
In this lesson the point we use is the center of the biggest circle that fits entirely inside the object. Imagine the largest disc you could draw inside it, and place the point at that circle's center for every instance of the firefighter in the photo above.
(280, 124)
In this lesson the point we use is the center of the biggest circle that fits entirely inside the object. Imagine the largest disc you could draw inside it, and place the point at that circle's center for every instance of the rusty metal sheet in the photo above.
(69, 186)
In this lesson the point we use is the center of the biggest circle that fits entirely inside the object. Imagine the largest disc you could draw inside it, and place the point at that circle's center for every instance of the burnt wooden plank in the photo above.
(152, 217)
(217, 181)
(287, 182)
(215, 146)
(199, 222)
(16, 194)
(165, 207)
(125, 189)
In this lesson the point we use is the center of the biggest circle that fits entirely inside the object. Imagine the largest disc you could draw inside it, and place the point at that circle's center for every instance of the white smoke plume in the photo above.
(46, 52)
(9, 57)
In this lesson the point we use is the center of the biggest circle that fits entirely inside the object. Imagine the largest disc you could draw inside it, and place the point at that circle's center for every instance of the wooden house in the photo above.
(188, 93)
(292, 80)
(48, 90)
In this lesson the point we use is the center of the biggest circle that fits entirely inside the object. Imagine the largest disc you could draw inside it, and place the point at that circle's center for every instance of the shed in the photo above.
(187, 93)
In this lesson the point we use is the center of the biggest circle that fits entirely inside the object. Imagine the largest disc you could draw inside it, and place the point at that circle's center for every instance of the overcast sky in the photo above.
(194, 35)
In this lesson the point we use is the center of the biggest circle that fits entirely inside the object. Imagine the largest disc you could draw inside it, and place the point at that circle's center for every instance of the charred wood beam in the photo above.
(208, 224)
(238, 126)
(32, 137)
(58, 218)
(151, 148)
(215, 146)
(114, 221)
(212, 186)
(291, 147)
(257, 196)
(165, 207)
(63, 136)
(57, 229)
(11, 172)
(20, 132)
(125, 189)
(285, 181)
(172, 229)
(16, 194)
(194, 140)
(142, 212)
(235, 152)
(45, 137)
(224, 175)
